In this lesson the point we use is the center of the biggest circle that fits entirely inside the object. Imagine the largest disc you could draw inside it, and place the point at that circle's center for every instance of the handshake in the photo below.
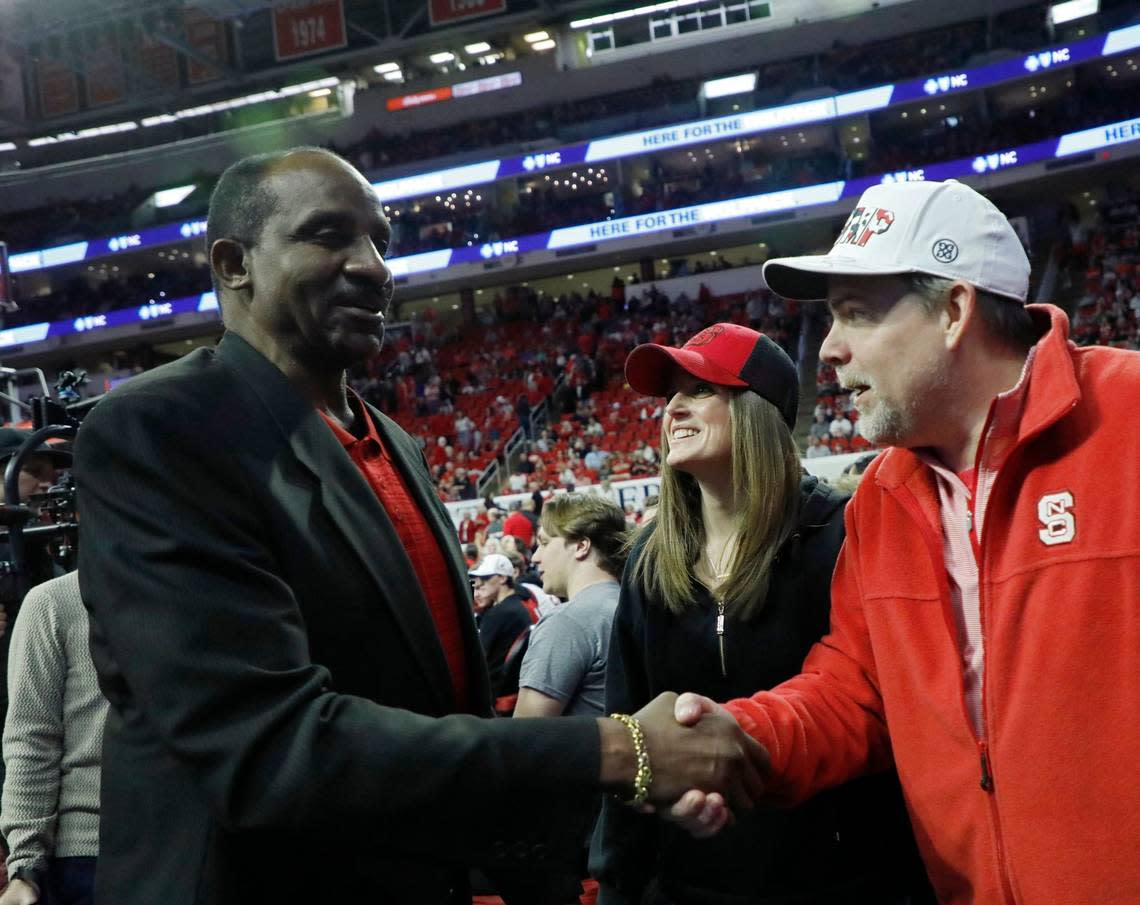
(701, 766)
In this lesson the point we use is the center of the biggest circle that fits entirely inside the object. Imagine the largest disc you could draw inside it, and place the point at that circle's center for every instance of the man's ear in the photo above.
(959, 313)
(228, 261)
(582, 549)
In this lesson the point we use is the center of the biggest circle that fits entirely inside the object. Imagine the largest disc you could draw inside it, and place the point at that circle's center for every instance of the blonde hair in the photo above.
(766, 478)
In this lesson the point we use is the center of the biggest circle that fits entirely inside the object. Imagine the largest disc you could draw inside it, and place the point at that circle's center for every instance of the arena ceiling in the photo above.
(28, 21)
(63, 31)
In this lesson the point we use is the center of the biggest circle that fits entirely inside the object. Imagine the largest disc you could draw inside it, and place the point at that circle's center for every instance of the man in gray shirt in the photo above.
(581, 543)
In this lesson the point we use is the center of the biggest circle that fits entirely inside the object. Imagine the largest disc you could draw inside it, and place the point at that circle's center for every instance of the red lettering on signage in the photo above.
(305, 27)
(443, 12)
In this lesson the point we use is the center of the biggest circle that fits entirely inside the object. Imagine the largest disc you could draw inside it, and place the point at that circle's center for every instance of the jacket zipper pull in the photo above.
(987, 778)
(720, 636)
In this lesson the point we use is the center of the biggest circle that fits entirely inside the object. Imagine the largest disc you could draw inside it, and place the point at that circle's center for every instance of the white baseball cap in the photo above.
(945, 229)
(493, 564)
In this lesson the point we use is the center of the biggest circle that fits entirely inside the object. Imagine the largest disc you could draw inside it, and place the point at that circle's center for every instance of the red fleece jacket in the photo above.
(1045, 809)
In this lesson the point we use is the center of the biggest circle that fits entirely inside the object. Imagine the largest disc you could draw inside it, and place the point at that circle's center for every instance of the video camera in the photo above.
(39, 535)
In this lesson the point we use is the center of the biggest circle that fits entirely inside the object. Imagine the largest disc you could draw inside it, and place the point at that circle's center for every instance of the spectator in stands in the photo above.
(502, 618)
(518, 525)
(265, 565)
(948, 652)
(468, 527)
(595, 459)
(464, 484)
(820, 429)
(494, 522)
(529, 586)
(840, 427)
(464, 432)
(817, 448)
(580, 556)
(738, 560)
(52, 747)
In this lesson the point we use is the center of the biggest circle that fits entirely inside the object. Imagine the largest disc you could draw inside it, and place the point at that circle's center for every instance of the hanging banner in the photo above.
(158, 62)
(104, 77)
(58, 88)
(12, 106)
(444, 12)
(304, 27)
(207, 36)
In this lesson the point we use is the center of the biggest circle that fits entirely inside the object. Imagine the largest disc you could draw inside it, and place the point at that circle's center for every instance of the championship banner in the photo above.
(444, 12)
(207, 36)
(104, 81)
(12, 106)
(304, 27)
(159, 61)
(58, 88)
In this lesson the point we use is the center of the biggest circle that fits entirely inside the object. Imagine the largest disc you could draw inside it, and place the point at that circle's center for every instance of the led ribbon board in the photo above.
(642, 224)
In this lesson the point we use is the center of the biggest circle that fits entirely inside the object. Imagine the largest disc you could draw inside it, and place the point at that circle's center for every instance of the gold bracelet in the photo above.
(644, 776)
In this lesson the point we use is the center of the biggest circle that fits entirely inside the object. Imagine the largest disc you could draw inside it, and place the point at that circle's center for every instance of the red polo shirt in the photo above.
(370, 456)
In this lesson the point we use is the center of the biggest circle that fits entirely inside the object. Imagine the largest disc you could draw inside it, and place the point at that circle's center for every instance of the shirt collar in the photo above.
(360, 410)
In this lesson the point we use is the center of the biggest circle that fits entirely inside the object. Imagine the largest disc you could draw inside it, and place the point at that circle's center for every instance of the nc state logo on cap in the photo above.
(864, 223)
(705, 337)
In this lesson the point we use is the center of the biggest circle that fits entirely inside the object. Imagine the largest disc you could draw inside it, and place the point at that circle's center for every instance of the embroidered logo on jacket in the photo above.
(1053, 511)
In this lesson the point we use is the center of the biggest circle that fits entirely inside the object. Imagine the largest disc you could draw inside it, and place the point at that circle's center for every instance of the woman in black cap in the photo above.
(723, 595)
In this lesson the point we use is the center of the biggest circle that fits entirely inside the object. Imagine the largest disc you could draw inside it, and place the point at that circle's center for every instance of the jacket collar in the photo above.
(1053, 391)
(353, 506)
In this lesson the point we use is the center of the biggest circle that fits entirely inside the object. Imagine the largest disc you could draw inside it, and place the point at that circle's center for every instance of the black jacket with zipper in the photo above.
(847, 846)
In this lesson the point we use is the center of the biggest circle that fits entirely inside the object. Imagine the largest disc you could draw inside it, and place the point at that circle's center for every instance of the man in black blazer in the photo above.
(286, 724)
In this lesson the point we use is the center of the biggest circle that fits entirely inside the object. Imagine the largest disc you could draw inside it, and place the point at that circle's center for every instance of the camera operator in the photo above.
(38, 473)
(40, 470)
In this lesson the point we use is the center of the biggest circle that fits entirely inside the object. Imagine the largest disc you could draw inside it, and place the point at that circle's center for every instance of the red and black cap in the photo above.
(724, 354)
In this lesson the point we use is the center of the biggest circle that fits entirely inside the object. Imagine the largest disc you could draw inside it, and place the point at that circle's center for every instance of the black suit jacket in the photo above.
(274, 673)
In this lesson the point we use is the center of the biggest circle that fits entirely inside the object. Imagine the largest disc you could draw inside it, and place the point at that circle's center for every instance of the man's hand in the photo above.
(711, 755)
(701, 814)
(20, 892)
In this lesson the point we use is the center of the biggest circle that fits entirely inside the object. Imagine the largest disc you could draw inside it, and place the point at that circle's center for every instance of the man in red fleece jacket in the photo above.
(985, 625)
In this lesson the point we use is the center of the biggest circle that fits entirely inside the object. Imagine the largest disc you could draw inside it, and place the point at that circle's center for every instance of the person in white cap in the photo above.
(985, 627)
(503, 621)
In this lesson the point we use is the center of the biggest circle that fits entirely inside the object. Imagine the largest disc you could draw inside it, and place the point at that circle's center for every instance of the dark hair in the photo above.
(1005, 319)
(240, 203)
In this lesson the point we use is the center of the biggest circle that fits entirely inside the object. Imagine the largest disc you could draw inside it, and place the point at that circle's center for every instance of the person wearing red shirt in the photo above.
(518, 525)
(468, 527)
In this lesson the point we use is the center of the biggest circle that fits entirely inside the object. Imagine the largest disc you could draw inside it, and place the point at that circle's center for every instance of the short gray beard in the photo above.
(891, 424)
(886, 424)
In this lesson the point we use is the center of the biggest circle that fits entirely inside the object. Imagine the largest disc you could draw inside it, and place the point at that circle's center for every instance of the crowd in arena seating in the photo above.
(464, 393)
(1102, 265)
(840, 68)
(463, 396)
(90, 294)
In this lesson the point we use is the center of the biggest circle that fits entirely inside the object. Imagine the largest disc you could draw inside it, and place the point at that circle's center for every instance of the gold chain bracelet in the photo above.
(644, 776)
